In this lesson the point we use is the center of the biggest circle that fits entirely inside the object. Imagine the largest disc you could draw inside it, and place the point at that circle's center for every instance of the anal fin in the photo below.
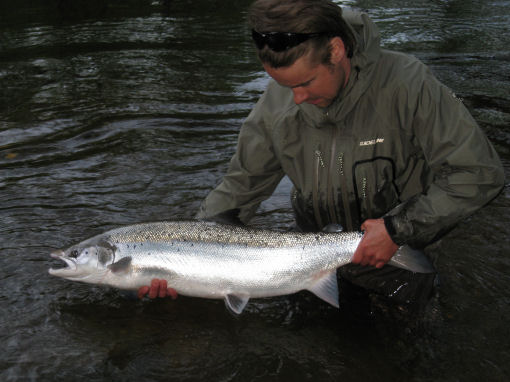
(326, 288)
(236, 304)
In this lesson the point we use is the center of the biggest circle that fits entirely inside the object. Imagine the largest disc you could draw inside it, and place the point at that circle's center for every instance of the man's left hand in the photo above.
(376, 248)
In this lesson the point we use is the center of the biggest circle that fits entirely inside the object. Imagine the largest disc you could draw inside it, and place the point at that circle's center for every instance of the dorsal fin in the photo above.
(333, 228)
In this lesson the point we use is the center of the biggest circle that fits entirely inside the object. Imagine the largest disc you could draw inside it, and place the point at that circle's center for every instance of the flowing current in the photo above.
(116, 112)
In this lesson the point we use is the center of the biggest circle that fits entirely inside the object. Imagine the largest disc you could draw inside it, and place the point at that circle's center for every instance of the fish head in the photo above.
(87, 261)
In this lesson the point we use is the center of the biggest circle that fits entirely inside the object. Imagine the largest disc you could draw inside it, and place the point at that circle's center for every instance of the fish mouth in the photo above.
(70, 267)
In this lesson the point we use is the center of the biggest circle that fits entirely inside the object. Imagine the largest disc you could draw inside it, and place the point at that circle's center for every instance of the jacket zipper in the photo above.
(315, 193)
(345, 194)
(330, 188)
(364, 194)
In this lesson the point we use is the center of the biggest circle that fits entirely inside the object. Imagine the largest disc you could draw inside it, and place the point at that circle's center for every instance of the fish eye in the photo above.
(74, 253)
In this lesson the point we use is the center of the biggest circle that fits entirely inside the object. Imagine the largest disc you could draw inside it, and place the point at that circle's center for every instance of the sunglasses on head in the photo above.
(280, 41)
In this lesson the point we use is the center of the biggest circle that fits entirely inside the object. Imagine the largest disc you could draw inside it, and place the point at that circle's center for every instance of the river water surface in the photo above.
(117, 112)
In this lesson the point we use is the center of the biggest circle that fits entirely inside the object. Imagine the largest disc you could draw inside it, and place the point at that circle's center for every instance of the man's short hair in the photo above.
(301, 16)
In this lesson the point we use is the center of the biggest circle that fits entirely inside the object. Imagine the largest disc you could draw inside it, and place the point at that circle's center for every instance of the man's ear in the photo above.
(337, 50)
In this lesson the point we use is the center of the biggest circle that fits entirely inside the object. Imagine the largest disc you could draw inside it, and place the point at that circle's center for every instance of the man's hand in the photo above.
(376, 248)
(158, 288)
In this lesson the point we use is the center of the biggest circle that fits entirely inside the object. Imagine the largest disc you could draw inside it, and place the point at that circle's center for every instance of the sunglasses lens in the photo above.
(279, 41)
(259, 39)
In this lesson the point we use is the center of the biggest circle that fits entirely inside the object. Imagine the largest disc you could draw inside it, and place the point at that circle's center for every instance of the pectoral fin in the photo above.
(235, 303)
(326, 288)
(120, 266)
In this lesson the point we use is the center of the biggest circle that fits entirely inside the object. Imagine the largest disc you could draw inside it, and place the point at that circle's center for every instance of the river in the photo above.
(115, 112)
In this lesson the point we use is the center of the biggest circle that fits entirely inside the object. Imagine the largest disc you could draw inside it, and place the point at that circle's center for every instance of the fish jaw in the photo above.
(76, 272)
(65, 272)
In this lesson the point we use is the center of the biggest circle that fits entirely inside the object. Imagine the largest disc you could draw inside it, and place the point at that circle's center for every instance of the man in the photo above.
(369, 138)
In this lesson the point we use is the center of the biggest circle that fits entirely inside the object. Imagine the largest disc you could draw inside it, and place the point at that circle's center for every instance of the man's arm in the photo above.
(254, 170)
(467, 172)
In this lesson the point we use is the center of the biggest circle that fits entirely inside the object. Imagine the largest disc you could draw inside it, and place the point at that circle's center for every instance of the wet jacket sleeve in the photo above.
(467, 172)
(253, 174)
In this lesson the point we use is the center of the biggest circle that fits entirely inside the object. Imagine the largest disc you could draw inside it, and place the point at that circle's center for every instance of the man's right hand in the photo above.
(158, 288)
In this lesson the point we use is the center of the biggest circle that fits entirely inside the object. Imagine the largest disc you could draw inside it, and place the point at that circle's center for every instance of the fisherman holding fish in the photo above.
(370, 139)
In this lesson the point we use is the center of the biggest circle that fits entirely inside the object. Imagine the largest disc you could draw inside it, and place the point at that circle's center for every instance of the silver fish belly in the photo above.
(205, 259)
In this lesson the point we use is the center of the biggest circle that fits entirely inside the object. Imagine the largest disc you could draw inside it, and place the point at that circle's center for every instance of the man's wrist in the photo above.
(390, 227)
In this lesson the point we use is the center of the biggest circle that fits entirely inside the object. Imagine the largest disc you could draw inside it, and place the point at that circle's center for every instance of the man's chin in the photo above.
(321, 103)
(317, 102)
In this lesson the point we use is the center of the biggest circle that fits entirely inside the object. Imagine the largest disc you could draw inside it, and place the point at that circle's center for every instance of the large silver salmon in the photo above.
(205, 259)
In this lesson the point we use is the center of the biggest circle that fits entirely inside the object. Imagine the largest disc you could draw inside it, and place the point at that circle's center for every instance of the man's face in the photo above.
(316, 84)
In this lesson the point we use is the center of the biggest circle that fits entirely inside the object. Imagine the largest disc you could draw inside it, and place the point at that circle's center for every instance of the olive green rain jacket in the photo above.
(395, 143)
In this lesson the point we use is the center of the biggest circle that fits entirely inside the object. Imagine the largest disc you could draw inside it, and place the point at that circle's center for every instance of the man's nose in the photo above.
(300, 95)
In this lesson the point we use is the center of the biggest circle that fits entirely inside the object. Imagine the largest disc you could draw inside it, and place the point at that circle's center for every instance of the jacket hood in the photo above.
(367, 38)
(364, 60)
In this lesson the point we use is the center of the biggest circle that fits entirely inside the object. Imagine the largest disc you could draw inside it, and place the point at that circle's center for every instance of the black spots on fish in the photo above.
(317, 237)
(74, 254)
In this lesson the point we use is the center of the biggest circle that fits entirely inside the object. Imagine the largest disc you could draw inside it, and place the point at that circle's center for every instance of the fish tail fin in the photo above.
(413, 260)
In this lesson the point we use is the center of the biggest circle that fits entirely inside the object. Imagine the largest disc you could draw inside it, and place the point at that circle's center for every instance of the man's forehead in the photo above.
(298, 74)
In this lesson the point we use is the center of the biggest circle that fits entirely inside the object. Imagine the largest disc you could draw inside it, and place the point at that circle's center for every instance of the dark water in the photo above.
(115, 112)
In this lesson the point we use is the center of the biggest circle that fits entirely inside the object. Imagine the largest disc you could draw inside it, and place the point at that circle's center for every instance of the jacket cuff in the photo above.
(392, 231)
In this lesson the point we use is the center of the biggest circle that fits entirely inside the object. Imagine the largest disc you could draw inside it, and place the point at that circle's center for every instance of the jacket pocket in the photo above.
(374, 187)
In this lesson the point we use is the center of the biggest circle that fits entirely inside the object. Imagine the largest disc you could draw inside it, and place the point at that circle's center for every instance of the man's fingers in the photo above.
(355, 258)
(142, 291)
(162, 288)
(172, 293)
(158, 288)
(154, 290)
(358, 256)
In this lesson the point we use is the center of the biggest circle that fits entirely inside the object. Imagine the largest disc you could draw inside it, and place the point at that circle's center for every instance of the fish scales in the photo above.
(227, 234)
(205, 259)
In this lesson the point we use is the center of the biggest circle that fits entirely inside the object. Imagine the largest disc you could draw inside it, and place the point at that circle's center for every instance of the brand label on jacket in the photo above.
(371, 142)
